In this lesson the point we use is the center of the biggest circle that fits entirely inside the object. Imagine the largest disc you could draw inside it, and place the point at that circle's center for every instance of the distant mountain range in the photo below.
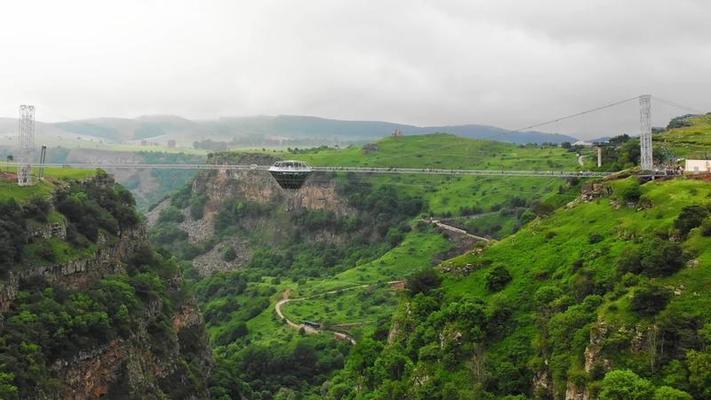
(260, 130)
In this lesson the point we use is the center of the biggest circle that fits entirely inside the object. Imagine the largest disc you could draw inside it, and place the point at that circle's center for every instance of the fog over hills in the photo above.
(259, 130)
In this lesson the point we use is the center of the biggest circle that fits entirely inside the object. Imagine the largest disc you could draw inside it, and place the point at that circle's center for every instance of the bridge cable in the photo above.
(617, 103)
(677, 105)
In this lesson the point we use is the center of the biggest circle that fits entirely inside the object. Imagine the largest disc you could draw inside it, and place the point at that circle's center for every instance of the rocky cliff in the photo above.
(212, 192)
(115, 322)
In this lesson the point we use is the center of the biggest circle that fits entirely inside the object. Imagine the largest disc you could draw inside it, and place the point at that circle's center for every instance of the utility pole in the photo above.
(645, 135)
(599, 156)
(43, 156)
(26, 145)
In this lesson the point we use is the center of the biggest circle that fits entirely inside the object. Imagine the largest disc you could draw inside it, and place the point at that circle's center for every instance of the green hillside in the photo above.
(688, 137)
(614, 284)
(384, 237)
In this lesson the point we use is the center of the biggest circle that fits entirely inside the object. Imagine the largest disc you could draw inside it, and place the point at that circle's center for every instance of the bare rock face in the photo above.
(593, 349)
(213, 261)
(131, 365)
(595, 191)
(153, 214)
(222, 186)
(198, 230)
(573, 392)
(47, 231)
(319, 196)
(90, 373)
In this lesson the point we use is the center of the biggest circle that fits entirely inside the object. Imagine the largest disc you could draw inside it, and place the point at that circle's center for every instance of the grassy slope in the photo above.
(10, 189)
(690, 141)
(543, 253)
(447, 195)
(442, 194)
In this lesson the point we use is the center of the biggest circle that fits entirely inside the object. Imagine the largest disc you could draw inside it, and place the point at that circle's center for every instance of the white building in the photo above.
(697, 166)
(582, 143)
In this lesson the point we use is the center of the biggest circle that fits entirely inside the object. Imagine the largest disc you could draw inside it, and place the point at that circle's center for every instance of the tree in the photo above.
(497, 279)
(625, 385)
(669, 393)
(699, 373)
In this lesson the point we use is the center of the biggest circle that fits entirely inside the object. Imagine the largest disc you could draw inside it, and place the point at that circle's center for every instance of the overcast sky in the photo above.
(500, 62)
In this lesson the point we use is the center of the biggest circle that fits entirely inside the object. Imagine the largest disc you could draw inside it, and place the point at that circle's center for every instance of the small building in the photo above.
(582, 143)
(171, 143)
(697, 166)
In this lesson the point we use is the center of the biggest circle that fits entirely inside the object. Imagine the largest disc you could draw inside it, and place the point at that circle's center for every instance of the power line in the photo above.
(578, 114)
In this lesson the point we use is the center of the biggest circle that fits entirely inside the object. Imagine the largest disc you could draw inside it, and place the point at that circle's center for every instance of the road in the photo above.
(310, 330)
(581, 160)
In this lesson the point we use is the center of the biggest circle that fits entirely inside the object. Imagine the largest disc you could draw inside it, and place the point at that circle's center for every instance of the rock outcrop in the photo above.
(108, 259)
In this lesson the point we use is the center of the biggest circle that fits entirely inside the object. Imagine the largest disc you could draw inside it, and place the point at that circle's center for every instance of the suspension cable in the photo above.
(617, 103)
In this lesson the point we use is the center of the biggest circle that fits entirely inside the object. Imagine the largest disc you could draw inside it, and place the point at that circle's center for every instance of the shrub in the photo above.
(631, 193)
(497, 279)
(197, 206)
(171, 214)
(690, 218)
(37, 208)
(44, 249)
(595, 238)
(229, 254)
(654, 258)
(706, 227)
(650, 299)
(12, 233)
(625, 385)
(423, 282)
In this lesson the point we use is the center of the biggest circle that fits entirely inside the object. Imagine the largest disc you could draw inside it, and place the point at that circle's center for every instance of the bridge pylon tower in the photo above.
(26, 145)
(645, 134)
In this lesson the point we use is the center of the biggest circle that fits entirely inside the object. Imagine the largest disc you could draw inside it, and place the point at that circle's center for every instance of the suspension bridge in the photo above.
(291, 174)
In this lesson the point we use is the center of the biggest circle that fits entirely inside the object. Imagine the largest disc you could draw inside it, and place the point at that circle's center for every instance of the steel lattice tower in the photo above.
(645, 135)
(26, 144)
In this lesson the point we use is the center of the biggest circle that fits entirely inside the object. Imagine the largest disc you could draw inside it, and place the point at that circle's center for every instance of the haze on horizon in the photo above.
(504, 63)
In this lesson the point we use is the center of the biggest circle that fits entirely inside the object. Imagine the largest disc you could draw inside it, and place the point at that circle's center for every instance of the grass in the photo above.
(444, 195)
(10, 190)
(442, 151)
(690, 141)
(548, 249)
(365, 305)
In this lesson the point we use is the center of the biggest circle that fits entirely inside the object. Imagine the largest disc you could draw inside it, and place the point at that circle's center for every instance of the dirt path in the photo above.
(456, 230)
(310, 330)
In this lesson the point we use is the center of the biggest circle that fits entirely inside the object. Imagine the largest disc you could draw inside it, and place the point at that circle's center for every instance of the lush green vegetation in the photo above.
(535, 299)
(50, 321)
(85, 209)
(687, 136)
(344, 281)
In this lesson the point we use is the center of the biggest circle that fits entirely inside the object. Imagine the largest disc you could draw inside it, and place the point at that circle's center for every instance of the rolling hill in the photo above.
(260, 130)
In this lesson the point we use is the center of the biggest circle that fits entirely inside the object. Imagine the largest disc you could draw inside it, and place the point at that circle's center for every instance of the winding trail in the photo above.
(310, 330)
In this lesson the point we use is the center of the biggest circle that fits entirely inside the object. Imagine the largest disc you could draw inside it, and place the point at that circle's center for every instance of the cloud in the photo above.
(507, 63)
